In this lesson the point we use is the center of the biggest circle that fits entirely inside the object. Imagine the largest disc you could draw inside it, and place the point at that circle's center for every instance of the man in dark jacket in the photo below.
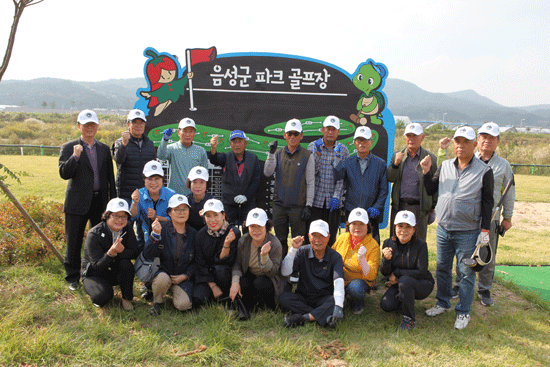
(241, 176)
(88, 166)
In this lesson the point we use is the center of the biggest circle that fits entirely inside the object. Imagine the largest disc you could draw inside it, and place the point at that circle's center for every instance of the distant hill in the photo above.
(404, 99)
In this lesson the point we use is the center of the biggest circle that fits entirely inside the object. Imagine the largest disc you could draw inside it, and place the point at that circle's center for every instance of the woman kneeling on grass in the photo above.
(405, 260)
(173, 242)
(110, 247)
(256, 273)
(216, 249)
(361, 255)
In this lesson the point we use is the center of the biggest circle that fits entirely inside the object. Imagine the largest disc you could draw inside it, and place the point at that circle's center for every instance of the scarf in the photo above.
(220, 232)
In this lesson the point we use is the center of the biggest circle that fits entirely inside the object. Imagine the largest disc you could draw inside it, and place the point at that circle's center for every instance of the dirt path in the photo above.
(531, 216)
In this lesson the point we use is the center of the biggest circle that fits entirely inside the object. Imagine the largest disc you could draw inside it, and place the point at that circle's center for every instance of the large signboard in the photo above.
(258, 93)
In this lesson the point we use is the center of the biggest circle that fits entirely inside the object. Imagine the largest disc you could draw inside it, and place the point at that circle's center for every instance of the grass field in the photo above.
(43, 323)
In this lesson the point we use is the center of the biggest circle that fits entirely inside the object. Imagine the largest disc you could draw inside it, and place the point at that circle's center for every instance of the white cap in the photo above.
(186, 122)
(177, 200)
(293, 125)
(256, 216)
(198, 172)
(405, 216)
(117, 205)
(332, 121)
(136, 114)
(466, 132)
(414, 128)
(319, 226)
(213, 205)
(358, 214)
(489, 128)
(152, 168)
(87, 116)
(363, 132)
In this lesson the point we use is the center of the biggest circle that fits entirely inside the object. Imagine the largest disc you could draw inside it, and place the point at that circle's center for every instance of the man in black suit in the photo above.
(88, 166)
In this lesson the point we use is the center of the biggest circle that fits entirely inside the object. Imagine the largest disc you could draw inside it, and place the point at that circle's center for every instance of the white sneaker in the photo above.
(462, 321)
(437, 310)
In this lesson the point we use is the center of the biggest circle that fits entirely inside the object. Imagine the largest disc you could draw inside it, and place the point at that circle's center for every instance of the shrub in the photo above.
(19, 243)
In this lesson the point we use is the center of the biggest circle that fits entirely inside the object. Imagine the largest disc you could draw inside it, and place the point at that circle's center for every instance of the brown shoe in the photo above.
(127, 305)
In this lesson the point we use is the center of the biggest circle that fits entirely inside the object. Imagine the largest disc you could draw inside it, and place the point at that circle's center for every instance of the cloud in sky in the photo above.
(497, 48)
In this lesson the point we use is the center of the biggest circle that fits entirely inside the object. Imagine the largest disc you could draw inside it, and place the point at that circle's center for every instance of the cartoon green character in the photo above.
(369, 78)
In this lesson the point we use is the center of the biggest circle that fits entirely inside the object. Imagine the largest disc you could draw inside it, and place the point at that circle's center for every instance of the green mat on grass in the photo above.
(532, 278)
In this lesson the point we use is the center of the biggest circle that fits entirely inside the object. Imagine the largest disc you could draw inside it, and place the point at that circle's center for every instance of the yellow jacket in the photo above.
(352, 268)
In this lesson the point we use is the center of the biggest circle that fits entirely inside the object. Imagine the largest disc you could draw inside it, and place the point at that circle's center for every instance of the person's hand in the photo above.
(505, 225)
(398, 158)
(240, 199)
(361, 252)
(125, 137)
(201, 212)
(229, 238)
(77, 150)
(166, 134)
(318, 146)
(117, 247)
(156, 227)
(151, 213)
(334, 204)
(216, 291)
(306, 213)
(387, 252)
(135, 196)
(177, 279)
(426, 164)
(337, 314)
(297, 241)
(338, 151)
(393, 279)
(273, 146)
(373, 212)
(444, 143)
(214, 140)
(265, 248)
(235, 290)
(484, 237)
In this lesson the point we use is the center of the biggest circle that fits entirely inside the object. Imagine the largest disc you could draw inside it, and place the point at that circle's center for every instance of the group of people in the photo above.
(204, 256)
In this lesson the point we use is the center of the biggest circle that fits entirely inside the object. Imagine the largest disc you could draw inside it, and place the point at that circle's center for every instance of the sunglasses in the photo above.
(293, 133)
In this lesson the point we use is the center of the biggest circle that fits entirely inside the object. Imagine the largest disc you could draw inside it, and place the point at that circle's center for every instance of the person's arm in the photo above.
(217, 159)
(421, 265)
(68, 162)
(131, 250)
(99, 258)
(256, 177)
(236, 271)
(385, 264)
(431, 182)
(110, 172)
(382, 191)
(312, 147)
(270, 164)
(487, 199)
(510, 198)
(229, 259)
(393, 169)
(339, 185)
(119, 151)
(338, 282)
(271, 263)
(310, 180)
(288, 263)
(340, 172)
(163, 153)
(203, 159)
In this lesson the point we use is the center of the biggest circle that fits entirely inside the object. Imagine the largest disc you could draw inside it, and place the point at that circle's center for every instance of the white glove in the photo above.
(484, 238)
(240, 199)
(361, 252)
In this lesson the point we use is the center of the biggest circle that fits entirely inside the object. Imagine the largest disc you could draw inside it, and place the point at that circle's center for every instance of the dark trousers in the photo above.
(100, 287)
(257, 291)
(320, 307)
(74, 233)
(403, 294)
(222, 277)
(332, 218)
(282, 217)
(236, 214)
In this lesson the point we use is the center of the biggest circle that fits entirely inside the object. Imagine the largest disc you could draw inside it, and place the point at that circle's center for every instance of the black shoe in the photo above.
(155, 309)
(74, 286)
(406, 324)
(293, 320)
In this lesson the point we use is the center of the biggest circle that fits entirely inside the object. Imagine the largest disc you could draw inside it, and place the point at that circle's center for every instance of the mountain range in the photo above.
(404, 99)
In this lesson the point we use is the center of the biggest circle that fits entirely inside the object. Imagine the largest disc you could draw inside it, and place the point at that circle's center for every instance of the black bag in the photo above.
(145, 269)
(238, 306)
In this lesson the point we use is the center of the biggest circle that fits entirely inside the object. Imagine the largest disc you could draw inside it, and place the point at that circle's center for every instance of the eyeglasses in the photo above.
(180, 210)
(293, 133)
(119, 217)
(138, 122)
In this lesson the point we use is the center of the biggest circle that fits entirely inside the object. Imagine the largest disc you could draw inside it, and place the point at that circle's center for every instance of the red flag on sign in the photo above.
(202, 55)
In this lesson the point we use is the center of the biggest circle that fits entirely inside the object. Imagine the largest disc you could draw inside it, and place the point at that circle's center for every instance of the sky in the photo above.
(500, 48)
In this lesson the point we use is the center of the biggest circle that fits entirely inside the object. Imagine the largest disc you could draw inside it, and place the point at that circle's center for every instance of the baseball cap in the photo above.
(332, 121)
(87, 116)
(363, 132)
(136, 114)
(319, 226)
(414, 128)
(466, 132)
(213, 205)
(186, 122)
(237, 134)
(256, 216)
(293, 125)
(489, 128)
(198, 172)
(405, 216)
(117, 205)
(358, 214)
(177, 200)
(152, 168)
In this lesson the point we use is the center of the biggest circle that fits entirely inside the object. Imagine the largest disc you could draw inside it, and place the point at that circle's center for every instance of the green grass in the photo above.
(43, 323)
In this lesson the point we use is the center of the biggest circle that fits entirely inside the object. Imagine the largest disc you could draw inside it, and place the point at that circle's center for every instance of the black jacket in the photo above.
(410, 259)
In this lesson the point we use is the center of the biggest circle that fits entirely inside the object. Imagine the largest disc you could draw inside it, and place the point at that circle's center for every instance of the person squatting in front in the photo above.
(319, 295)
